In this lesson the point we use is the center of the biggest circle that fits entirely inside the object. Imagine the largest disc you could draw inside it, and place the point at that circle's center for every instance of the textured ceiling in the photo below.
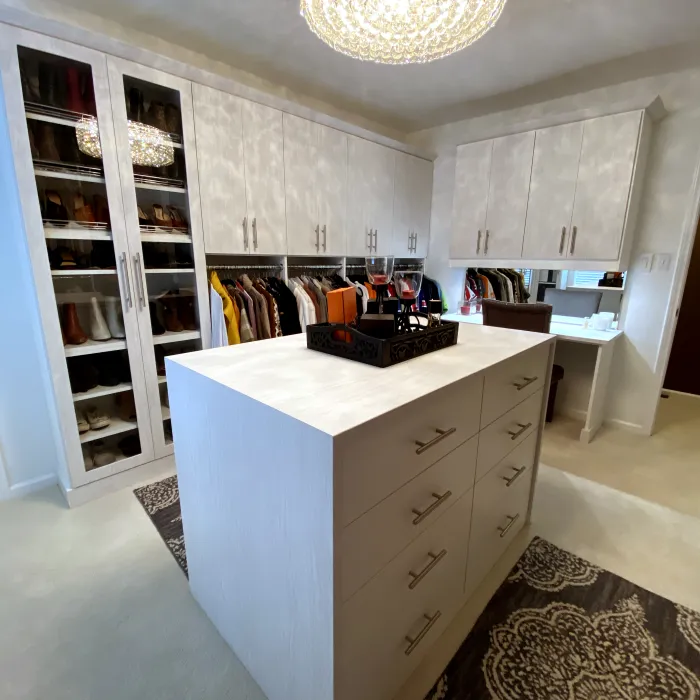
(535, 40)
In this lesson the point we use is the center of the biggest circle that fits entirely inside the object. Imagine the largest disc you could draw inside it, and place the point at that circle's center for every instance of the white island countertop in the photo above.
(333, 394)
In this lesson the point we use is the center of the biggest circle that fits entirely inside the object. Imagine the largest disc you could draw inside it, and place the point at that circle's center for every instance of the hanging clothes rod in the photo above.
(301, 266)
(244, 267)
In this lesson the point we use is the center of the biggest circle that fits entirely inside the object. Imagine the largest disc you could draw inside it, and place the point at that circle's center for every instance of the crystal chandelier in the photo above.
(400, 31)
(149, 146)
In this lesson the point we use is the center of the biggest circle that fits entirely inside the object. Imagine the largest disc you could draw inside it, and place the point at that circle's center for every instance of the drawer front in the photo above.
(523, 456)
(373, 662)
(374, 539)
(511, 382)
(498, 515)
(379, 457)
(506, 433)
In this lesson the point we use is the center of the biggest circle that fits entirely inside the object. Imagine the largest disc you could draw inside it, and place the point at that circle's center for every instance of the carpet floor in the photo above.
(558, 628)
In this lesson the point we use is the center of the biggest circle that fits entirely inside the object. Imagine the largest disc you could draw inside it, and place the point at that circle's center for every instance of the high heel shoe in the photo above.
(82, 212)
(161, 216)
(176, 218)
(72, 330)
(101, 208)
(143, 219)
(54, 209)
(98, 326)
(115, 319)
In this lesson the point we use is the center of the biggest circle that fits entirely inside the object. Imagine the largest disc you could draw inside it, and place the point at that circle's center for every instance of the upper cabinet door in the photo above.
(422, 202)
(471, 196)
(263, 144)
(380, 176)
(511, 168)
(607, 164)
(404, 186)
(219, 131)
(332, 188)
(300, 177)
(552, 191)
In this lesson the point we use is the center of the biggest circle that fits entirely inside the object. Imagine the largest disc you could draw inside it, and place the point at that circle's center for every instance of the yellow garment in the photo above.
(234, 337)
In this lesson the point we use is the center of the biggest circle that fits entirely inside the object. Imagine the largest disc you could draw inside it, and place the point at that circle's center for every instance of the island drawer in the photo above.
(499, 514)
(509, 383)
(506, 433)
(375, 622)
(522, 456)
(380, 456)
(374, 539)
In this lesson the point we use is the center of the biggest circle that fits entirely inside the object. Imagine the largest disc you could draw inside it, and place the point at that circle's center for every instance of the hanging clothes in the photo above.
(232, 331)
(219, 338)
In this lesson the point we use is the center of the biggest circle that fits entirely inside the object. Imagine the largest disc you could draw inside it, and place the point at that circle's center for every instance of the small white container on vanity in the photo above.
(336, 515)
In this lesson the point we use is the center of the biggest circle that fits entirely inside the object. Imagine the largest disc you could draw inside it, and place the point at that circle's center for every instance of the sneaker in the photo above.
(83, 425)
(102, 455)
(97, 418)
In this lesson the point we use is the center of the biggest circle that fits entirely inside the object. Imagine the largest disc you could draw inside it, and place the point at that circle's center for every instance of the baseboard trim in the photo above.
(24, 488)
(635, 428)
(680, 393)
(138, 476)
(575, 413)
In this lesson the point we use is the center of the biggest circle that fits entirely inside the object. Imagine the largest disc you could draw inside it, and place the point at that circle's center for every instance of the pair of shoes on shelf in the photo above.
(178, 313)
(55, 213)
(108, 369)
(97, 454)
(100, 329)
(57, 144)
(92, 418)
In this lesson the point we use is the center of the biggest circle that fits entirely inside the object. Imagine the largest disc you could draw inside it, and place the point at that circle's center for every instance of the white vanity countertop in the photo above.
(334, 394)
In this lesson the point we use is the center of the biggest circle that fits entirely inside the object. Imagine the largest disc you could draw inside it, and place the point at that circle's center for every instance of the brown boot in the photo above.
(170, 316)
(186, 312)
(101, 209)
(46, 141)
(72, 331)
(82, 211)
(156, 116)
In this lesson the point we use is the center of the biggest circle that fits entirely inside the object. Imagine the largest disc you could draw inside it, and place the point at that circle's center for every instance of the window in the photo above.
(585, 278)
(527, 274)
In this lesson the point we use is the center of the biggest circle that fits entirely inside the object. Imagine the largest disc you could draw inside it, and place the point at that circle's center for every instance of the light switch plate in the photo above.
(647, 262)
(662, 262)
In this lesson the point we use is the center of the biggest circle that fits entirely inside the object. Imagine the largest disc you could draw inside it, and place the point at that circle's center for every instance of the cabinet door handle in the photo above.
(370, 240)
(415, 242)
(376, 235)
(518, 473)
(563, 240)
(526, 383)
(421, 515)
(435, 560)
(573, 240)
(486, 242)
(512, 520)
(318, 239)
(255, 233)
(138, 274)
(441, 435)
(478, 241)
(410, 241)
(413, 643)
(245, 233)
(325, 237)
(127, 281)
(514, 435)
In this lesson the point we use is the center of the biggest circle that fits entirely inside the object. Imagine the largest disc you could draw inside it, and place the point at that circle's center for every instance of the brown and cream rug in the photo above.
(558, 628)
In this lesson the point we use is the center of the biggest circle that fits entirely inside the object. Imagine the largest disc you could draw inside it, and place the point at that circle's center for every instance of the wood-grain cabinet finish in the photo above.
(575, 189)
(413, 187)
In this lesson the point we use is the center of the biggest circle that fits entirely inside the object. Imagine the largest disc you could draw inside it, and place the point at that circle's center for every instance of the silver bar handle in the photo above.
(514, 435)
(138, 274)
(415, 242)
(563, 240)
(127, 281)
(325, 237)
(512, 520)
(410, 242)
(255, 233)
(376, 235)
(441, 435)
(413, 643)
(526, 383)
(245, 233)
(370, 240)
(435, 560)
(478, 241)
(318, 238)
(573, 240)
(421, 515)
(518, 473)
(486, 242)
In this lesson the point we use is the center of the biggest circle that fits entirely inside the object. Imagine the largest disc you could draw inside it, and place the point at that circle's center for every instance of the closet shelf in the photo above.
(169, 270)
(92, 347)
(77, 233)
(162, 380)
(165, 412)
(81, 273)
(175, 337)
(53, 115)
(148, 237)
(159, 188)
(66, 171)
(116, 426)
(102, 391)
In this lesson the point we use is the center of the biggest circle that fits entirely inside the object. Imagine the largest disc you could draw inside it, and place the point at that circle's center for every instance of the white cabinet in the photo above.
(606, 169)
(413, 188)
(370, 198)
(219, 130)
(471, 198)
(511, 166)
(315, 166)
(552, 190)
(263, 147)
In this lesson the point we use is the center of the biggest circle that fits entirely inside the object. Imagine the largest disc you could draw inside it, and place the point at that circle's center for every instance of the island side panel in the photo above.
(256, 488)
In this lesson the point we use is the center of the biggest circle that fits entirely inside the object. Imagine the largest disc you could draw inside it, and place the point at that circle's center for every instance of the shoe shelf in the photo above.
(65, 171)
(76, 232)
(165, 412)
(175, 337)
(162, 380)
(116, 426)
(53, 115)
(165, 234)
(161, 184)
(160, 188)
(91, 347)
(81, 273)
(102, 391)
(169, 270)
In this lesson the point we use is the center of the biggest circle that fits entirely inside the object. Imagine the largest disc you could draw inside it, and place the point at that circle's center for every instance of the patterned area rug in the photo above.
(559, 628)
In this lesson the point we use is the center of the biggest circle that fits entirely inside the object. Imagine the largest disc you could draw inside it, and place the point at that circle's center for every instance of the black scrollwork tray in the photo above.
(327, 337)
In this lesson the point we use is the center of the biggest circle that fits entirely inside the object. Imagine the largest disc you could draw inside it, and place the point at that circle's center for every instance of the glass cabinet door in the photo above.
(154, 125)
(75, 226)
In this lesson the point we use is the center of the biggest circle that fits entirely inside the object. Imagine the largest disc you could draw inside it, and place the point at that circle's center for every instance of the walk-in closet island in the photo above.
(337, 515)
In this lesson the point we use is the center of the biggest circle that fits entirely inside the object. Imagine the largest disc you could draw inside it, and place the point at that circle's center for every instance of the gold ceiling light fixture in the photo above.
(149, 145)
(400, 31)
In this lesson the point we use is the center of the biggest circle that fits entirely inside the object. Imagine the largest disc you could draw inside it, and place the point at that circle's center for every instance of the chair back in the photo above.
(573, 303)
(521, 317)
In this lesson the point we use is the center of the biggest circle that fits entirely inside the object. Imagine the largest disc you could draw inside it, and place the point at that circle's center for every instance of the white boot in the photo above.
(115, 319)
(98, 325)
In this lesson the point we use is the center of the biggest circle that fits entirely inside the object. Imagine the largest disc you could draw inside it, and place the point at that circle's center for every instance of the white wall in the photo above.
(667, 203)
(29, 455)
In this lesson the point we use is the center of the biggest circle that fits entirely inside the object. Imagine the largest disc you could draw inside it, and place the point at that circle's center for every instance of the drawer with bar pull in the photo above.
(511, 382)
